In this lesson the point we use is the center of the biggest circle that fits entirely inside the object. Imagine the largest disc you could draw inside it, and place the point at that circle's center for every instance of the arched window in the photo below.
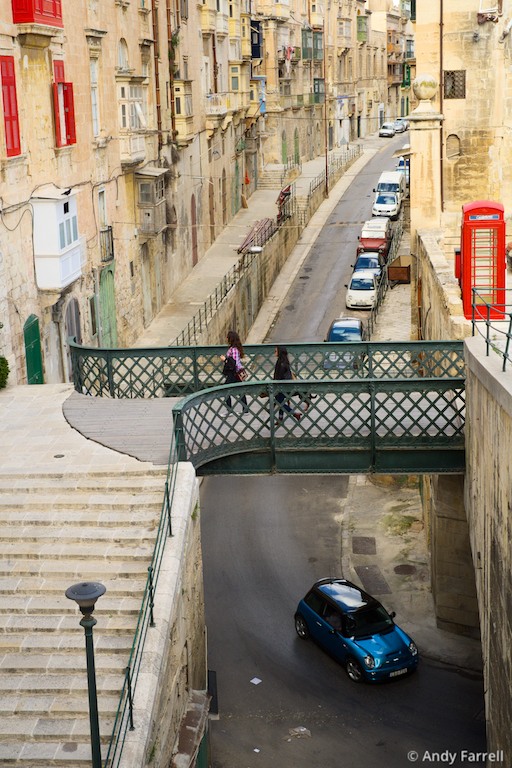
(452, 146)
(122, 55)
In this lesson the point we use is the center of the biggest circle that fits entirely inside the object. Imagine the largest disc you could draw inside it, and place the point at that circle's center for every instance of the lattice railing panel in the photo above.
(176, 371)
(352, 414)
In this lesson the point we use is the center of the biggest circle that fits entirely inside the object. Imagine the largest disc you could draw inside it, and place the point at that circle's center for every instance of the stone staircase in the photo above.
(57, 530)
(276, 176)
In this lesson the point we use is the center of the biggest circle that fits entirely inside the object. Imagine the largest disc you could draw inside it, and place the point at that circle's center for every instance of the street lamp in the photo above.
(85, 595)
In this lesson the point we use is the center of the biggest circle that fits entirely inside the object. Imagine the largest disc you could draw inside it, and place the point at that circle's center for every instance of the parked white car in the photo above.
(362, 290)
(387, 204)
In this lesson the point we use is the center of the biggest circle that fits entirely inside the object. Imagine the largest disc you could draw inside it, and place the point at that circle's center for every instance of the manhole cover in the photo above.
(363, 545)
(405, 570)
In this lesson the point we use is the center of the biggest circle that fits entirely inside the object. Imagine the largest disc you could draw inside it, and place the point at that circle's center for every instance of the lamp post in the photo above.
(86, 595)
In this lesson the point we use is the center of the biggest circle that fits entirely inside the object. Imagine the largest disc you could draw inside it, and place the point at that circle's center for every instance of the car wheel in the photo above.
(354, 671)
(301, 627)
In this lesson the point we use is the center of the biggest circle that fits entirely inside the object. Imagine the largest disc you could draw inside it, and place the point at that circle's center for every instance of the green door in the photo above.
(33, 357)
(296, 147)
(284, 148)
(108, 323)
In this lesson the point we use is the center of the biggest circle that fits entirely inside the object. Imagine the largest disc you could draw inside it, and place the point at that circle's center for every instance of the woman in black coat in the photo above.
(283, 372)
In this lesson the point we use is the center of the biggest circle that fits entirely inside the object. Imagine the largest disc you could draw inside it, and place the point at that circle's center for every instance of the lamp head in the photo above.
(85, 595)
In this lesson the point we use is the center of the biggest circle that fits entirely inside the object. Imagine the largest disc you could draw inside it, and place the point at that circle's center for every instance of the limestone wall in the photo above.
(489, 506)
(172, 676)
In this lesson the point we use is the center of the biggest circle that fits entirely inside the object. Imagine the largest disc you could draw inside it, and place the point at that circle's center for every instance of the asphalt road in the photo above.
(265, 540)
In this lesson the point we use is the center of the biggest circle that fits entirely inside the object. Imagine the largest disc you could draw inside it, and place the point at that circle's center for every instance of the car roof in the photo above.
(362, 273)
(378, 222)
(344, 593)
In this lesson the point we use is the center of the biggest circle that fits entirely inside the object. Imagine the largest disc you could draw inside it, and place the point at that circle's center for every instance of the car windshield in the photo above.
(368, 621)
(344, 334)
(386, 200)
(361, 284)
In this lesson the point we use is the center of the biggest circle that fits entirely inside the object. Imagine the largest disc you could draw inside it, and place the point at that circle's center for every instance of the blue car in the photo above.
(357, 630)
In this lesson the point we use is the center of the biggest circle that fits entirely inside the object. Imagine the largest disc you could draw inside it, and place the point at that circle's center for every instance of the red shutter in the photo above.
(11, 120)
(56, 116)
(69, 110)
(58, 71)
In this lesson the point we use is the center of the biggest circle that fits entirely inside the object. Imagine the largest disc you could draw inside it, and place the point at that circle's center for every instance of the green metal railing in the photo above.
(179, 371)
(493, 320)
(362, 425)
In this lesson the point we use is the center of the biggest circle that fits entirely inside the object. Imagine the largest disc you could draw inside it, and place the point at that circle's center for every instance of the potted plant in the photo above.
(4, 368)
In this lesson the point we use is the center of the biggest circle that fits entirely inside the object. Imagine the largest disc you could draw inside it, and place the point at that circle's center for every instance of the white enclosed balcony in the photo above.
(59, 250)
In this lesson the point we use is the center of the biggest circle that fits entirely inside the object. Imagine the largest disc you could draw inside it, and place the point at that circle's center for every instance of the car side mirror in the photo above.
(393, 614)
(346, 286)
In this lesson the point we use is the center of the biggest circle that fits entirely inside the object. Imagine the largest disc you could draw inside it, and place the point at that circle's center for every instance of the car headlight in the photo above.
(413, 648)
(369, 661)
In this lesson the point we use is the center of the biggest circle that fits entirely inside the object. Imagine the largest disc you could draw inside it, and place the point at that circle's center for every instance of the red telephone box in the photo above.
(482, 259)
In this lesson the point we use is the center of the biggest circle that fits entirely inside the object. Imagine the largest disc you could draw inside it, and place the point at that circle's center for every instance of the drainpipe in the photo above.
(441, 86)
(154, 20)
(215, 65)
(171, 69)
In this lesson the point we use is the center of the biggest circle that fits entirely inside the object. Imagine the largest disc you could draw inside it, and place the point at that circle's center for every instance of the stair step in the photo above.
(83, 551)
(117, 517)
(47, 704)
(59, 534)
(43, 605)
(73, 570)
(59, 663)
(12, 642)
(36, 755)
(46, 729)
(33, 585)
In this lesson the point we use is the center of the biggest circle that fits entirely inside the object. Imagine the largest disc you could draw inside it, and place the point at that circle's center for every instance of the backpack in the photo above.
(229, 366)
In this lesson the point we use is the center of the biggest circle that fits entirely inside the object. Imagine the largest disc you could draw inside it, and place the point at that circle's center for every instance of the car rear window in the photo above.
(345, 334)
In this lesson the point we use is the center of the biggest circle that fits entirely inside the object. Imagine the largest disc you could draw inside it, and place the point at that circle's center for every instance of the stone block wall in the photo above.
(489, 510)
(172, 676)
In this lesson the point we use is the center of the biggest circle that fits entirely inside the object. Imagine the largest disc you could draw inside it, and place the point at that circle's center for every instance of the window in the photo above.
(68, 226)
(455, 84)
(10, 103)
(122, 55)
(235, 79)
(63, 107)
(307, 44)
(47, 12)
(133, 106)
(93, 64)
(318, 46)
(319, 90)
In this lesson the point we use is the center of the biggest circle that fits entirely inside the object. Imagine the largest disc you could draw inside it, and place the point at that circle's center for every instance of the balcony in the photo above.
(235, 29)
(184, 116)
(106, 245)
(222, 24)
(59, 250)
(208, 19)
(48, 14)
(132, 148)
(153, 218)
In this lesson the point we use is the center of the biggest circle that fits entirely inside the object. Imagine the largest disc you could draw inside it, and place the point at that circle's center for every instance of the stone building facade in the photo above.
(133, 131)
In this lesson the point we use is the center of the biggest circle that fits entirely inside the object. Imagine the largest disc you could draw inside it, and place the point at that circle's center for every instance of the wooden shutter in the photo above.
(11, 119)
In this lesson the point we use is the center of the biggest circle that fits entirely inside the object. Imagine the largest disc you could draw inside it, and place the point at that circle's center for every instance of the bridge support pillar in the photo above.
(453, 575)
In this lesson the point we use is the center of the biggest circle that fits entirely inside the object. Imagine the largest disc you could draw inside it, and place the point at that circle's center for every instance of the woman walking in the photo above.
(283, 372)
(233, 366)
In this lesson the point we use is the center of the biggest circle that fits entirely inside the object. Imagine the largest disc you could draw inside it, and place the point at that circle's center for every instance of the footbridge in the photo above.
(393, 408)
